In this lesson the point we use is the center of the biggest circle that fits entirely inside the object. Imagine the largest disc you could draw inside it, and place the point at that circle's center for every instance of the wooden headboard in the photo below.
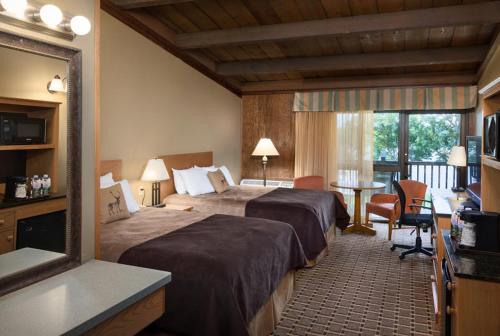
(182, 161)
(112, 166)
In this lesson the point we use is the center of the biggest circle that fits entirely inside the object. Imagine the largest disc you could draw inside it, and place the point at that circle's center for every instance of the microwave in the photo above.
(19, 129)
(492, 136)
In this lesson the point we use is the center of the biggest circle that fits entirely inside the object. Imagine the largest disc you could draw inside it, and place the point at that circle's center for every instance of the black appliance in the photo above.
(19, 129)
(45, 232)
(446, 299)
(492, 136)
(486, 229)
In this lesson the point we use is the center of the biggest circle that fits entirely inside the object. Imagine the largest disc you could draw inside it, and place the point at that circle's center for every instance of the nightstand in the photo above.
(179, 207)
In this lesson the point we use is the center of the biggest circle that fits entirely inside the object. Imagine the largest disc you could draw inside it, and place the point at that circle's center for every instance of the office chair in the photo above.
(410, 214)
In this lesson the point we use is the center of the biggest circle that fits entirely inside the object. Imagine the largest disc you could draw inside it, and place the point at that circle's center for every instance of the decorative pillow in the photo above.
(224, 170)
(218, 181)
(113, 205)
(106, 180)
(196, 181)
(178, 182)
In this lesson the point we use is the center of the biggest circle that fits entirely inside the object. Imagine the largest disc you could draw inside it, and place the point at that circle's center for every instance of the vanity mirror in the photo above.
(40, 160)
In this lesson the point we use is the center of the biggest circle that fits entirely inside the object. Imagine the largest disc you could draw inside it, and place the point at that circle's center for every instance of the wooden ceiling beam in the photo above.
(131, 4)
(418, 79)
(156, 31)
(479, 13)
(494, 45)
(355, 61)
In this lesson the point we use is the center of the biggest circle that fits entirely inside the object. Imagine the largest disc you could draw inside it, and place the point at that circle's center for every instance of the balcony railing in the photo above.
(435, 174)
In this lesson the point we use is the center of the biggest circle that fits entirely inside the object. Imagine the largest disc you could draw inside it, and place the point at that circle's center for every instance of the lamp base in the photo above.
(155, 194)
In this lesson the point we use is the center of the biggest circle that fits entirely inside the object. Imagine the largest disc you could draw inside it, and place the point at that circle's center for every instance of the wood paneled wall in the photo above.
(268, 116)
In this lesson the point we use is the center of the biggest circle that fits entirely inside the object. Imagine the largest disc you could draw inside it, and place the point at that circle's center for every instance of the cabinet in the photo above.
(10, 214)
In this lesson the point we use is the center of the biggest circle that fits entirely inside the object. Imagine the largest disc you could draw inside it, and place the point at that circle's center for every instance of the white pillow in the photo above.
(224, 170)
(196, 181)
(129, 197)
(179, 182)
(106, 180)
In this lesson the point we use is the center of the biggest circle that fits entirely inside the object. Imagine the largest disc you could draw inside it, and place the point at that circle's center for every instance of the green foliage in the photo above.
(431, 136)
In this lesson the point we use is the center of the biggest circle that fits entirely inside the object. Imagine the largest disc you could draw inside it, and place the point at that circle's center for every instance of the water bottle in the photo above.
(36, 186)
(46, 183)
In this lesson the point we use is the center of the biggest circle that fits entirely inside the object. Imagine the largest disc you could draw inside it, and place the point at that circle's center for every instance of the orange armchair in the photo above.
(309, 182)
(384, 205)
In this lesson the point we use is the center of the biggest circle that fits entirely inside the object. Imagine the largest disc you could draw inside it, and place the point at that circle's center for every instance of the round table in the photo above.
(358, 187)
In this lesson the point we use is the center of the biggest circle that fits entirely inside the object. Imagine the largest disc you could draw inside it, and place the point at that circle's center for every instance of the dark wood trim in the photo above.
(129, 4)
(419, 79)
(355, 61)
(486, 12)
(495, 44)
(74, 160)
(157, 32)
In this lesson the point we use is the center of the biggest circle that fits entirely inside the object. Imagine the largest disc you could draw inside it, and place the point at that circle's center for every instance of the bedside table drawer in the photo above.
(6, 220)
(6, 241)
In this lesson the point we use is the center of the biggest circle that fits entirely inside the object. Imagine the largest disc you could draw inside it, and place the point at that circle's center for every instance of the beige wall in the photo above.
(154, 104)
(86, 43)
(25, 75)
(491, 72)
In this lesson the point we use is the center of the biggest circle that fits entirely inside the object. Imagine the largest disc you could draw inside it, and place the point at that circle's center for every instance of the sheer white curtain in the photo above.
(337, 146)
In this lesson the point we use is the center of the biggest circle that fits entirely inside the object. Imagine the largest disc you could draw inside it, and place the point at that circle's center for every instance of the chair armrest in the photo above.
(421, 200)
(419, 206)
(384, 198)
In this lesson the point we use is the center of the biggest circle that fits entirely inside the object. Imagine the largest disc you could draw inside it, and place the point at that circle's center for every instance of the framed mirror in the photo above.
(40, 160)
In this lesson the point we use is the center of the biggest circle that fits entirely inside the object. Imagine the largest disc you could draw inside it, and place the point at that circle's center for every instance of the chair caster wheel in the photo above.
(393, 248)
(401, 257)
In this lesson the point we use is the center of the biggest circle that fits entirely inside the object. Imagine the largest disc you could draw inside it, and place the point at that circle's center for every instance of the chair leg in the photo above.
(367, 218)
(391, 224)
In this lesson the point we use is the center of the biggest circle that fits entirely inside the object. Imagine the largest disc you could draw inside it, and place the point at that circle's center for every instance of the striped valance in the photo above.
(417, 98)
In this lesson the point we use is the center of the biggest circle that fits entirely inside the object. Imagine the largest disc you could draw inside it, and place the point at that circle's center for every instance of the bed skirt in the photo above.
(268, 316)
(330, 236)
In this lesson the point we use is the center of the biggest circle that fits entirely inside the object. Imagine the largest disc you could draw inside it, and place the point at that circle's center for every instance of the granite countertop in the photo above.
(75, 301)
(11, 204)
(472, 266)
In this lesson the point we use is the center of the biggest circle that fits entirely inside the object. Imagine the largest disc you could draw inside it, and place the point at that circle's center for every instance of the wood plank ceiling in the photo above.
(253, 46)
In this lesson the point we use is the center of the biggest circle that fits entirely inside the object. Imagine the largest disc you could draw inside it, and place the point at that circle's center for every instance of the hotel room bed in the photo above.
(231, 275)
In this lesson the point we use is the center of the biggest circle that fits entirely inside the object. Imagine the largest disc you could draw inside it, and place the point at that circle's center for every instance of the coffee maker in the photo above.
(481, 230)
(16, 188)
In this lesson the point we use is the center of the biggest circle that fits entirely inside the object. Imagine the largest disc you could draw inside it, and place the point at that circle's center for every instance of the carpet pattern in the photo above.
(362, 288)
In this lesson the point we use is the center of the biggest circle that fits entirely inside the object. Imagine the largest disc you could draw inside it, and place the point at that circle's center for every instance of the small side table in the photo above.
(358, 186)
(178, 207)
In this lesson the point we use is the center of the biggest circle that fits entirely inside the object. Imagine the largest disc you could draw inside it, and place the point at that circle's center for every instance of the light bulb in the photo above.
(16, 7)
(51, 15)
(80, 25)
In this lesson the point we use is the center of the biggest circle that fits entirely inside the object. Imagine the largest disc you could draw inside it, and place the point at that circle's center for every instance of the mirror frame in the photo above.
(74, 154)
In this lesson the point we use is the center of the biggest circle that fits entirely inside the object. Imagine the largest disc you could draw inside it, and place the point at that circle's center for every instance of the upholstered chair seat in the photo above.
(384, 205)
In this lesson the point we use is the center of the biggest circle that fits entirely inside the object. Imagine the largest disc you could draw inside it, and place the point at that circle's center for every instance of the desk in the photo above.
(358, 187)
(97, 298)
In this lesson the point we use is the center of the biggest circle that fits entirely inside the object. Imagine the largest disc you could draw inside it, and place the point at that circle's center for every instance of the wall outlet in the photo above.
(141, 191)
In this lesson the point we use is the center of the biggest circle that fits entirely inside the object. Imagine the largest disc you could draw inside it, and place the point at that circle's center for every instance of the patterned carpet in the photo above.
(362, 288)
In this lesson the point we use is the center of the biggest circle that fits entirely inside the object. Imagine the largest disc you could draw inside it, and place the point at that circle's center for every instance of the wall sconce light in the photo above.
(43, 18)
(56, 85)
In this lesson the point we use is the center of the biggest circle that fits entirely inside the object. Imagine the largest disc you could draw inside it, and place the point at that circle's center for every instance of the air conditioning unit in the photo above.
(269, 183)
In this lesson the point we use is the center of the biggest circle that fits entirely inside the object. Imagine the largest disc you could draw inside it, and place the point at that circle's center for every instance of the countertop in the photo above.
(25, 258)
(75, 301)
(472, 266)
(12, 204)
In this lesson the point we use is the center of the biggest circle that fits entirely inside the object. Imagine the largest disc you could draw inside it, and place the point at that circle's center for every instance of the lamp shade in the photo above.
(155, 171)
(265, 147)
(457, 157)
(56, 85)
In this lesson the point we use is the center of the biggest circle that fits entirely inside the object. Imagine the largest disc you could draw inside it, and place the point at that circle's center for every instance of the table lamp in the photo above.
(155, 172)
(458, 159)
(265, 148)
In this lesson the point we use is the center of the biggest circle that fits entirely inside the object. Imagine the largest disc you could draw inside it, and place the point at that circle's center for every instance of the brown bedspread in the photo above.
(224, 268)
(310, 212)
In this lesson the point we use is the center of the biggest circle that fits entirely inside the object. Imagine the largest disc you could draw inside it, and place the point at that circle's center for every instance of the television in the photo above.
(491, 133)
(473, 151)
